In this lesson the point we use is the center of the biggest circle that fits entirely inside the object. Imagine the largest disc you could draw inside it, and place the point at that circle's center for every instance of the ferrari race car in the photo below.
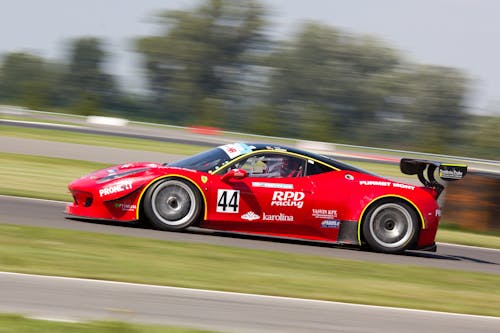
(274, 191)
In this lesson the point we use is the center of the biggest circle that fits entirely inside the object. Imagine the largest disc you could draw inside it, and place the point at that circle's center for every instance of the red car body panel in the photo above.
(309, 207)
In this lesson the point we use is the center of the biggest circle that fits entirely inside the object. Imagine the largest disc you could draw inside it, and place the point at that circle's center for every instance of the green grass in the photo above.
(100, 140)
(119, 258)
(39, 120)
(41, 177)
(468, 238)
(381, 169)
(10, 323)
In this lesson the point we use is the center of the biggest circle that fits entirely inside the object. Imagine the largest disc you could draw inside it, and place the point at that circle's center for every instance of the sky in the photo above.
(457, 33)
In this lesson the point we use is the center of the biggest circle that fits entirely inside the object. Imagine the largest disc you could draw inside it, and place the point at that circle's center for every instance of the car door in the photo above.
(274, 197)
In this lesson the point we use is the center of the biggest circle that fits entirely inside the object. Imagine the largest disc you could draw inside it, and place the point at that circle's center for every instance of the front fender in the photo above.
(147, 185)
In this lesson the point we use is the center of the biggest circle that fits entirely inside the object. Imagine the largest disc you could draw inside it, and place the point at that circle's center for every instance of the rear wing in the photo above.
(426, 169)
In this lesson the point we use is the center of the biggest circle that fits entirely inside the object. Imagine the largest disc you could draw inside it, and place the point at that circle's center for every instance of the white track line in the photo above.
(470, 246)
(106, 282)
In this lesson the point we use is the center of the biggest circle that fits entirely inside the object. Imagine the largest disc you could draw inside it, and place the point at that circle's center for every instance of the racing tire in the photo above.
(172, 204)
(390, 226)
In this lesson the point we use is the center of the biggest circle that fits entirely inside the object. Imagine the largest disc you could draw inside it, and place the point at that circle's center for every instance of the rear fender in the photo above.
(390, 197)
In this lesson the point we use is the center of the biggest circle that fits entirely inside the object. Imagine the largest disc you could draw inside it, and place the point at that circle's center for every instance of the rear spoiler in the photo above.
(447, 171)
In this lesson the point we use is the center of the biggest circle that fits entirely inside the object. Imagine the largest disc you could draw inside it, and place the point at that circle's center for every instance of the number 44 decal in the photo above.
(228, 201)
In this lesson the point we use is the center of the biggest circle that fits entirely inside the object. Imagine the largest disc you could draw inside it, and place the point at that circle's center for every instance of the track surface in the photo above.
(43, 213)
(81, 299)
(77, 299)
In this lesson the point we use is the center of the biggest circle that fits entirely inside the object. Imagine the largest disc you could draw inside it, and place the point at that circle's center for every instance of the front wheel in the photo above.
(172, 204)
(390, 227)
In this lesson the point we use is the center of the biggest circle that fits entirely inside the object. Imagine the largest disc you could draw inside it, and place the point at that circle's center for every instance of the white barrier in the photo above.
(316, 146)
(13, 110)
(108, 121)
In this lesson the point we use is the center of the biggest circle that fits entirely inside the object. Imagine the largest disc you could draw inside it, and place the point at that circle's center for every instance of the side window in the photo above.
(274, 166)
(271, 165)
(254, 165)
(314, 168)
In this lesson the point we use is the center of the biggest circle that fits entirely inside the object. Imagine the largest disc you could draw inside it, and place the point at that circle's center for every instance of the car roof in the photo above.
(325, 159)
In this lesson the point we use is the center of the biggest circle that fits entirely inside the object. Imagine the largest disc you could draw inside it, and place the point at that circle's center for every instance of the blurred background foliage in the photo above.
(216, 65)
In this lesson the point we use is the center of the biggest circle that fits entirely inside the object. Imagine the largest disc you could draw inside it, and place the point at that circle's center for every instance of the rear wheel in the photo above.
(390, 227)
(172, 204)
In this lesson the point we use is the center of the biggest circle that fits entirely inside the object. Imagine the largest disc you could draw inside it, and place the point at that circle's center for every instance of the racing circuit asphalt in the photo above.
(42, 213)
(24, 211)
(55, 298)
(49, 213)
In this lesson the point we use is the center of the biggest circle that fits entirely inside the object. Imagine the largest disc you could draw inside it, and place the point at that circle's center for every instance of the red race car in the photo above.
(271, 190)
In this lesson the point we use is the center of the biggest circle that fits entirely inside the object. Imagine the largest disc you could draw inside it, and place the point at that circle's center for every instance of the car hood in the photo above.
(121, 170)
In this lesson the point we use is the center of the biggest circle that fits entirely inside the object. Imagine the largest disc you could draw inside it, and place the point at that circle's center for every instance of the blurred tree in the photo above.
(363, 92)
(214, 66)
(86, 79)
(438, 114)
(334, 71)
(28, 80)
(86, 105)
(483, 137)
(201, 56)
(262, 120)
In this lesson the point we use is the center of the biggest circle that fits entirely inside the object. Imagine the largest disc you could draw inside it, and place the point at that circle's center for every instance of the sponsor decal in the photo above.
(236, 149)
(330, 224)
(118, 187)
(288, 199)
(204, 179)
(349, 177)
(273, 185)
(250, 216)
(277, 217)
(405, 186)
(325, 214)
(239, 173)
(386, 184)
(374, 183)
(452, 174)
(228, 201)
(125, 207)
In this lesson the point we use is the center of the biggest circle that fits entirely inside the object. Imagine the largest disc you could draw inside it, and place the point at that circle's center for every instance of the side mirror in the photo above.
(234, 174)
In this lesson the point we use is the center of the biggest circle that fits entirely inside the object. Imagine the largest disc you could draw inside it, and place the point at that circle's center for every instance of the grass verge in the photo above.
(468, 238)
(15, 323)
(119, 258)
(100, 140)
(41, 177)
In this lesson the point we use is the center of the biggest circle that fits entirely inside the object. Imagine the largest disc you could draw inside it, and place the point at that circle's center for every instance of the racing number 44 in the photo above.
(228, 201)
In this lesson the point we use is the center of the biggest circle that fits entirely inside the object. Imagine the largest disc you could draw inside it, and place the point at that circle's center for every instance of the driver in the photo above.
(283, 167)
(292, 167)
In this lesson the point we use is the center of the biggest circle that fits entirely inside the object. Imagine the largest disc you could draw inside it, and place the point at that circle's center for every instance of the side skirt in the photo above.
(348, 233)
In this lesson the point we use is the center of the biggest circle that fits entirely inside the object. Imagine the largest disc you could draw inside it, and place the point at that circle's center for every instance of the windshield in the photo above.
(213, 158)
